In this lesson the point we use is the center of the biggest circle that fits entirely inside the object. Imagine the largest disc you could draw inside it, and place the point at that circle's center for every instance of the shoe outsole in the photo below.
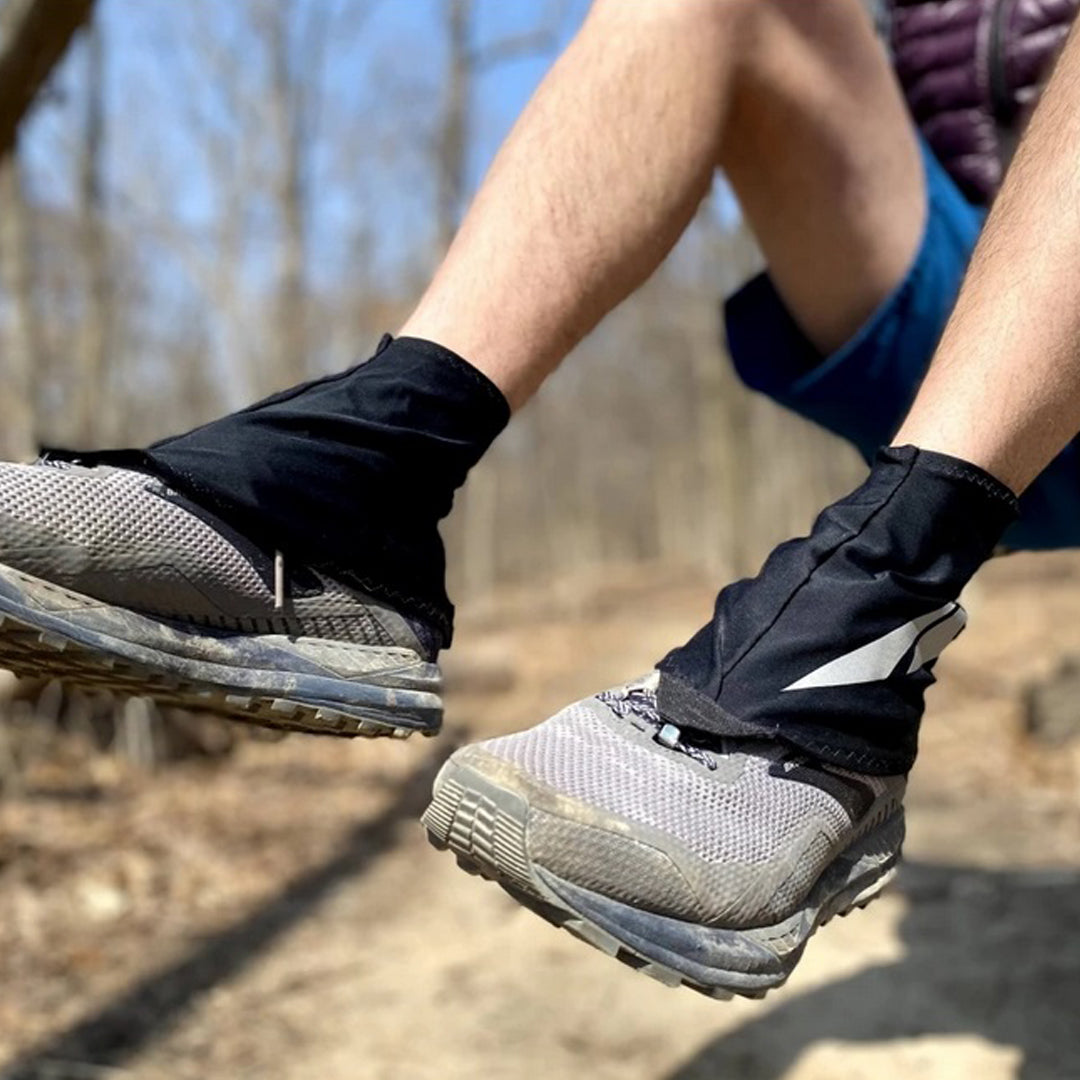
(34, 643)
(484, 826)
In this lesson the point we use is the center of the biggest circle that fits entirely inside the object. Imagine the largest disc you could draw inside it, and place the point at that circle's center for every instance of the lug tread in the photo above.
(28, 651)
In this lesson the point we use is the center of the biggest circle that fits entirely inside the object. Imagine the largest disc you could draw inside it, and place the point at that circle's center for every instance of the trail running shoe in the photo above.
(704, 866)
(109, 580)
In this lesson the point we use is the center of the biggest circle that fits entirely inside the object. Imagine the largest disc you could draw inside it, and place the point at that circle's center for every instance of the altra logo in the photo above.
(877, 660)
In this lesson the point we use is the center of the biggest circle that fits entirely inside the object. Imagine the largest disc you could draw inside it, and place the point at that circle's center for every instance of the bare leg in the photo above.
(828, 651)
(598, 179)
(825, 163)
(609, 161)
(1004, 388)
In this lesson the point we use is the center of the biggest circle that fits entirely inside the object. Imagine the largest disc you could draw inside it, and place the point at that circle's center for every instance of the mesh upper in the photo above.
(579, 754)
(749, 845)
(118, 536)
(110, 515)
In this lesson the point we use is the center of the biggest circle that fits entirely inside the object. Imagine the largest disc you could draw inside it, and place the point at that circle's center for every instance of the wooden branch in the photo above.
(35, 35)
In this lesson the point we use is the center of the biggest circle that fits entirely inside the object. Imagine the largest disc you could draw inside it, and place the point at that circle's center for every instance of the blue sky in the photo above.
(171, 65)
(380, 80)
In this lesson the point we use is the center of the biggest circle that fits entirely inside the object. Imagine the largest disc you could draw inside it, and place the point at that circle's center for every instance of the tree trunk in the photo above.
(95, 338)
(34, 35)
(453, 144)
(288, 112)
(21, 342)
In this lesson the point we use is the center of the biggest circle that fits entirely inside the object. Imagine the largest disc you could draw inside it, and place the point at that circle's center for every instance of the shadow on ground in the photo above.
(988, 954)
(152, 1007)
(992, 954)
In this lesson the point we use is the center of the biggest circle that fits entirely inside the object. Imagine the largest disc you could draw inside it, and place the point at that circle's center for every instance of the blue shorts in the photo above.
(862, 391)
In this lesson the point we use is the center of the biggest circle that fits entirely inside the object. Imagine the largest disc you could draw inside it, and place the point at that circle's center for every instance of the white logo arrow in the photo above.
(878, 659)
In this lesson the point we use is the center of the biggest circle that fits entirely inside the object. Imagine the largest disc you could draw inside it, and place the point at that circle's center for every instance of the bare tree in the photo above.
(466, 62)
(256, 127)
(21, 343)
(95, 335)
(295, 42)
(34, 34)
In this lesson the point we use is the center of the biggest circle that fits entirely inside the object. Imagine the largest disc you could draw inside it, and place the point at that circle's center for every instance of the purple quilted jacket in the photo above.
(971, 69)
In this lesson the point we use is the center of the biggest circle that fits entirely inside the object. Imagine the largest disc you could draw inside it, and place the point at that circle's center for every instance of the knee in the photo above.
(764, 36)
(824, 22)
(699, 15)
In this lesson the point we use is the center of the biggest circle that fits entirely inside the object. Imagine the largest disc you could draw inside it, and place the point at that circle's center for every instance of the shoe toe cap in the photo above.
(508, 818)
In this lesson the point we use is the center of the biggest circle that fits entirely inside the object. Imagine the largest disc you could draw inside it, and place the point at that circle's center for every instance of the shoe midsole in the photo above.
(316, 671)
(753, 958)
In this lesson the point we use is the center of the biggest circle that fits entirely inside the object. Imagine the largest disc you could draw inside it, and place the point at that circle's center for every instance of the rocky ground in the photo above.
(280, 916)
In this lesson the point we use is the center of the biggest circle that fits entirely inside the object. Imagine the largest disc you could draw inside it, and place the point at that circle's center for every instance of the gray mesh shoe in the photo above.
(700, 866)
(110, 580)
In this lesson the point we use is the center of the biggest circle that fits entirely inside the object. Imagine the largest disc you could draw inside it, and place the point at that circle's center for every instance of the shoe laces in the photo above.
(46, 460)
(638, 701)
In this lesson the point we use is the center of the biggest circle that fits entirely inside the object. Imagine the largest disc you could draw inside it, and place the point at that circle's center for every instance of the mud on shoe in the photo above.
(110, 580)
(704, 865)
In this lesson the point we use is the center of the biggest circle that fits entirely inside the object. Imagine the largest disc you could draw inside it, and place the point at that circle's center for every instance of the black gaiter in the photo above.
(350, 474)
(830, 648)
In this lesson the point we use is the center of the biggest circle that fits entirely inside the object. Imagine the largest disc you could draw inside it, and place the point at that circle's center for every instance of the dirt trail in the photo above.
(284, 918)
